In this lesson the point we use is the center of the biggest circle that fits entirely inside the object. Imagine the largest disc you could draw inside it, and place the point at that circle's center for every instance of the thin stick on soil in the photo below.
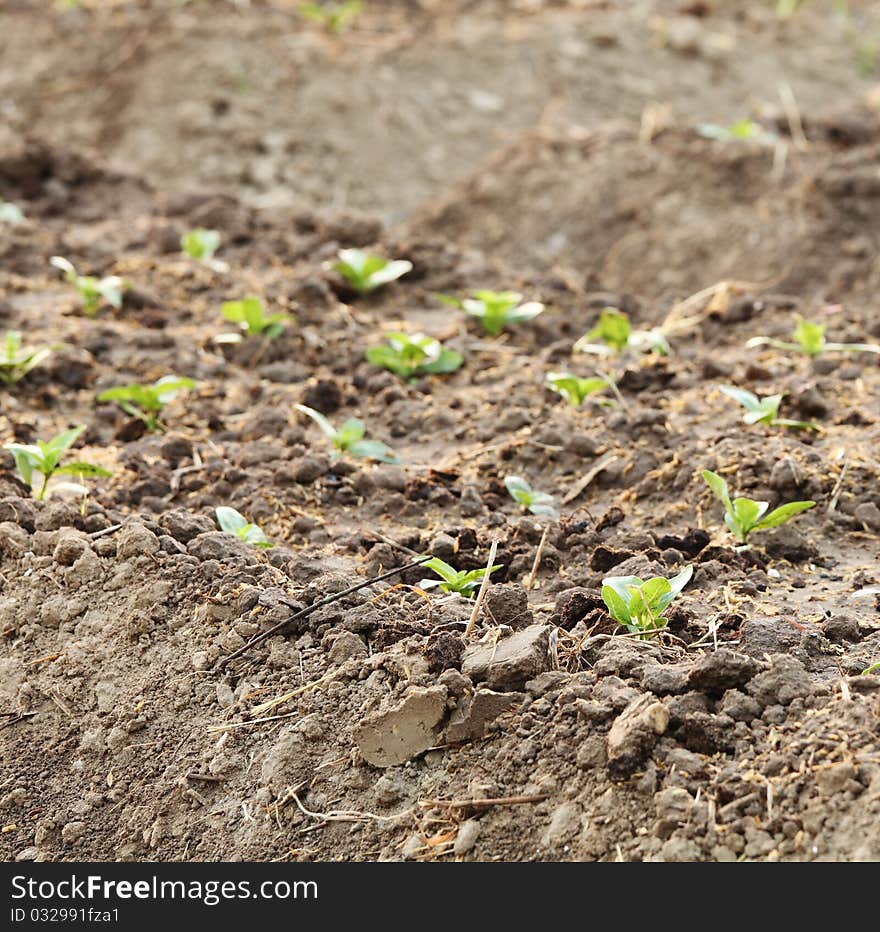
(483, 587)
(484, 803)
(530, 579)
(257, 639)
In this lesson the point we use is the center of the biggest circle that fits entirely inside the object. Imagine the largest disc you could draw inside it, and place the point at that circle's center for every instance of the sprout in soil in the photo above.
(741, 130)
(495, 309)
(613, 333)
(809, 338)
(92, 291)
(146, 402)
(464, 582)
(874, 668)
(576, 390)
(233, 522)
(639, 604)
(744, 515)
(412, 355)
(349, 438)
(538, 503)
(763, 410)
(46, 460)
(251, 316)
(200, 244)
(334, 17)
(10, 214)
(365, 272)
(17, 360)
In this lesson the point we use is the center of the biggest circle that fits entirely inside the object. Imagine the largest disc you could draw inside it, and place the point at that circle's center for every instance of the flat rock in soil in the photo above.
(787, 679)
(475, 713)
(508, 663)
(634, 733)
(402, 733)
(721, 670)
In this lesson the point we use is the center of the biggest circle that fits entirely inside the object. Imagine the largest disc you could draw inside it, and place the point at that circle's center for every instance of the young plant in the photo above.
(809, 338)
(574, 389)
(365, 272)
(744, 515)
(464, 582)
(10, 214)
(17, 360)
(46, 460)
(495, 309)
(614, 334)
(412, 355)
(639, 604)
(251, 316)
(233, 522)
(349, 438)
(334, 17)
(538, 503)
(741, 130)
(92, 291)
(200, 244)
(763, 410)
(146, 402)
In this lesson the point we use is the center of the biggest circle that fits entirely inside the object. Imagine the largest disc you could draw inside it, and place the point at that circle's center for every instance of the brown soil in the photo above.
(494, 145)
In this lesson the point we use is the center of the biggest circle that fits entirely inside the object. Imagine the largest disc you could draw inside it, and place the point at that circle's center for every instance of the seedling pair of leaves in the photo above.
(45, 459)
(350, 438)
(334, 17)
(146, 402)
(412, 355)
(233, 522)
(366, 272)
(495, 309)
(251, 316)
(464, 582)
(763, 410)
(740, 131)
(744, 516)
(639, 604)
(17, 360)
(538, 503)
(93, 291)
(200, 244)
(809, 338)
(576, 390)
(613, 334)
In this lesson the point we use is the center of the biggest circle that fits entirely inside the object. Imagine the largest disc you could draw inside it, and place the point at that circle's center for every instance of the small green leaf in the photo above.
(230, 520)
(782, 514)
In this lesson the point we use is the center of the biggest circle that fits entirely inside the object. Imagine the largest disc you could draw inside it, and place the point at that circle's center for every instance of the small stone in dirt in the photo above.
(787, 543)
(506, 664)
(546, 682)
(443, 546)
(390, 789)
(509, 605)
(226, 548)
(402, 733)
(840, 628)
(309, 468)
(468, 833)
(786, 679)
(786, 476)
(184, 525)
(70, 547)
(573, 605)
(665, 679)
(346, 646)
(475, 713)
(55, 515)
(739, 706)
(706, 733)
(720, 670)
(135, 540)
(869, 515)
(761, 636)
(634, 733)
(72, 832)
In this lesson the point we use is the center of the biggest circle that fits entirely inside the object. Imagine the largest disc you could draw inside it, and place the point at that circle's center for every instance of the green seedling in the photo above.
(365, 272)
(809, 338)
(613, 334)
(251, 316)
(538, 503)
(739, 131)
(763, 410)
(464, 582)
(92, 291)
(350, 438)
(639, 604)
(874, 668)
(233, 522)
(574, 389)
(334, 17)
(412, 355)
(10, 214)
(495, 309)
(146, 402)
(17, 360)
(46, 460)
(200, 244)
(743, 516)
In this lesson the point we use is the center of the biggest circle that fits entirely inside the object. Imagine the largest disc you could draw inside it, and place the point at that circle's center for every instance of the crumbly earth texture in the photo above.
(372, 728)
